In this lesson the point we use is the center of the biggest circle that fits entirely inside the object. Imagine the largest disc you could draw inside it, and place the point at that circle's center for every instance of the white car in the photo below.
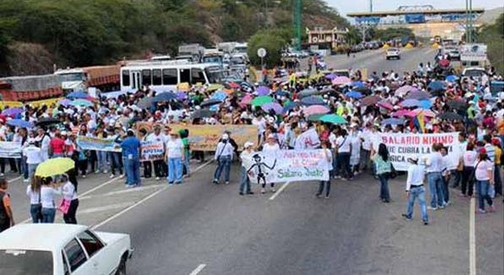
(393, 53)
(62, 249)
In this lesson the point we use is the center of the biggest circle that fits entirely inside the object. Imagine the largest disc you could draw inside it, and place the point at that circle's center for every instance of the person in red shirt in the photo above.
(57, 146)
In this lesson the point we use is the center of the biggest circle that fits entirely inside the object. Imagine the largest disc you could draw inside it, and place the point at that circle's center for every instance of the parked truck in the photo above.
(105, 78)
(30, 88)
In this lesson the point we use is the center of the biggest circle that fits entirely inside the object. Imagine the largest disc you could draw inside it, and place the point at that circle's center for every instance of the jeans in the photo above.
(335, 164)
(186, 162)
(384, 190)
(467, 184)
(446, 191)
(498, 180)
(482, 188)
(102, 161)
(364, 159)
(457, 178)
(436, 189)
(417, 192)
(327, 184)
(244, 181)
(69, 217)
(48, 215)
(31, 170)
(25, 168)
(133, 171)
(224, 164)
(344, 164)
(175, 170)
(115, 162)
(35, 212)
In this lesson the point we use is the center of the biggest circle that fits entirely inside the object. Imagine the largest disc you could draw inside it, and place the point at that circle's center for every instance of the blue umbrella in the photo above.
(219, 95)
(357, 84)
(354, 94)
(77, 95)
(411, 103)
(451, 78)
(281, 93)
(165, 96)
(19, 123)
(312, 100)
(436, 85)
(425, 104)
(392, 121)
(289, 107)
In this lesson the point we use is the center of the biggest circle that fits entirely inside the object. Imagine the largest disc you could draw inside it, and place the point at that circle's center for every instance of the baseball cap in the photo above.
(248, 144)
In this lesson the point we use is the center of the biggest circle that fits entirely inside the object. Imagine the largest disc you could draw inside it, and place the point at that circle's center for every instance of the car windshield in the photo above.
(214, 75)
(392, 49)
(72, 77)
(23, 262)
(212, 60)
(473, 73)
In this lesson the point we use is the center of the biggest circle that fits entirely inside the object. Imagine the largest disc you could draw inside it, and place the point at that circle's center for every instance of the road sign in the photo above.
(261, 52)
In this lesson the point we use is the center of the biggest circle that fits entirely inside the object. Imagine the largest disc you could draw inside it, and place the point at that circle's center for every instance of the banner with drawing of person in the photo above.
(287, 166)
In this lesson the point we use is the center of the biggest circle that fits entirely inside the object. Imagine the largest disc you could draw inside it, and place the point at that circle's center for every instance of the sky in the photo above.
(347, 6)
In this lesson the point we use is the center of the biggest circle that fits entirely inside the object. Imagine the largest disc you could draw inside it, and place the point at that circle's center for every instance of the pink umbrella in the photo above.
(425, 112)
(341, 80)
(401, 113)
(403, 90)
(386, 105)
(316, 109)
(246, 100)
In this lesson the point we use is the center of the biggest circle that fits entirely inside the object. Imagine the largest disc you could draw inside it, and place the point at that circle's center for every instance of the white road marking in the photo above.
(279, 190)
(142, 201)
(105, 208)
(14, 179)
(472, 238)
(99, 186)
(198, 269)
(141, 188)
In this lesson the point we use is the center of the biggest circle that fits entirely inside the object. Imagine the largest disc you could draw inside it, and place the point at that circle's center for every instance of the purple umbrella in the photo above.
(418, 95)
(65, 102)
(411, 103)
(13, 111)
(275, 106)
(181, 96)
(331, 76)
(263, 91)
(403, 90)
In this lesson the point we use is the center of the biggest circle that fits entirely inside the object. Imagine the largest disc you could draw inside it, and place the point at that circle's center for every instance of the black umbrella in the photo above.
(459, 105)
(164, 97)
(47, 121)
(202, 113)
(450, 116)
(363, 90)
(210, 102)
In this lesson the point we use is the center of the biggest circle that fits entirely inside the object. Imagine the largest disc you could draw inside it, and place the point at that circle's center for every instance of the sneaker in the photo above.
(447, 203)
(326, 197)
(2, 174)
(215, 181)
(250, 193)
(273, 190)
(241, 193)
(157, 178)
(406, 216)
(337, 177)
(481, 211)
(26, 180)
(491, 208)
(112, 176)
(105, 171)
(425, 223)
(227, 183)
(442, 207)
(97, 171)
(318, 195)
(170, 183)
(263, 191)
(344, 179)
(431, 208)
(121, 176)
(83, 176)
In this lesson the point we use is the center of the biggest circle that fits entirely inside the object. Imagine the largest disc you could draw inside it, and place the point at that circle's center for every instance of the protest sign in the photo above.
(287, 165)
(152, 150)
(402, 146)
(309, 139)
(90, 143)
(10, 150)
(206, 137)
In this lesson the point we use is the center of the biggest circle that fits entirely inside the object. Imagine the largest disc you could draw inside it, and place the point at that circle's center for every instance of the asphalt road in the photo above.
(199, 227)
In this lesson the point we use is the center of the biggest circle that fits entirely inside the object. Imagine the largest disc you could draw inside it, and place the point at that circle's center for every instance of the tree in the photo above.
(493, 36)
(271, 40)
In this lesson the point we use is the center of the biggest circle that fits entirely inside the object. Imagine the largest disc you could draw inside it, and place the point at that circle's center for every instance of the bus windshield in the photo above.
(214, 75)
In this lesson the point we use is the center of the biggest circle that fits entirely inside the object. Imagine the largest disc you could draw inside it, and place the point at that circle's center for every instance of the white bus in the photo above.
(167, 75)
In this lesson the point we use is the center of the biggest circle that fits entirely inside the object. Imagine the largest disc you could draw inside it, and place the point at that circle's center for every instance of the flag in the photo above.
(420, 122)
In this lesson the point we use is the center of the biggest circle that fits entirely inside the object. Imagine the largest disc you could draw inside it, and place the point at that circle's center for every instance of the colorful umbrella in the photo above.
(341, 80)
(234, 85)
(290, 106)
(54, 166)
(181, 96)
(312, 100)
(165, 97)
(246, 99)
(215, 87)
(331, 76)
(81, 102)
(19, 123)
(425, 112)
(354, 94)
(392, 121)
(436, 86)
(316, 109)
(401, 113)
(259, 101)
(219, 95)
(451, 78)
(425, 104)
(333, 119)
(281, 93)
(64, 102)
(263, 91)
(315, 117)
(272, 106)
(385, 104)
(13, 111)
(357, 84)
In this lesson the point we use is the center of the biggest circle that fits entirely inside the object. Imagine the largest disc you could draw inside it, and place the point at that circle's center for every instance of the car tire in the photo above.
(121, 269)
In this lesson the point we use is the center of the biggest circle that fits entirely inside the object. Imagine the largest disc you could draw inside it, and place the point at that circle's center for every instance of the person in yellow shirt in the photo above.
(498, 158)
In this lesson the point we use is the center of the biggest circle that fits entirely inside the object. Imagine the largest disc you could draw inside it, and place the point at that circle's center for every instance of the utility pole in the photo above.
(370, 5)
(297, 23)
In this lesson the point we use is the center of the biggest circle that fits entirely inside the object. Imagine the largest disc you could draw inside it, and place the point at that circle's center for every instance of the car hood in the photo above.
(110, 238)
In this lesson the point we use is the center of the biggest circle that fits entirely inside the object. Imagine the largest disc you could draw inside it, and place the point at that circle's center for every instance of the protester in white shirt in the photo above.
(434, 167)
(343, 149)
(329, 159)
(175, 157)
(415, 189)
(469, 162)
(271, 147)
(48, 194)
(223, 155)
(33, 157)
(69, 193)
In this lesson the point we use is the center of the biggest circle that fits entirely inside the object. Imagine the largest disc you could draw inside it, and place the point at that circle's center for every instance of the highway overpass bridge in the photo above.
(424, 20)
